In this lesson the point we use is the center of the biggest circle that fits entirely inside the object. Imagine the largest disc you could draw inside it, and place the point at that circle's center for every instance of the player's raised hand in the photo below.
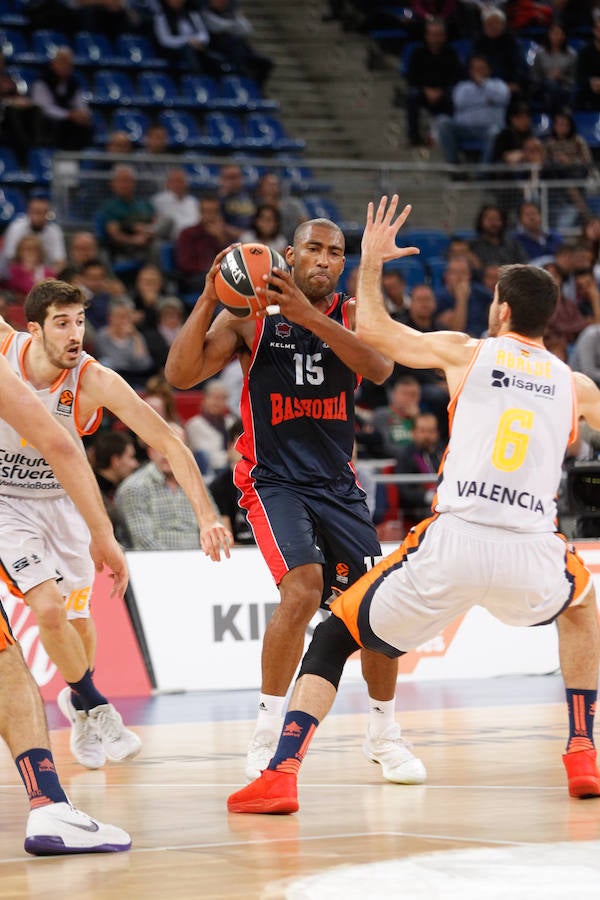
(209, 291)
(381, 229)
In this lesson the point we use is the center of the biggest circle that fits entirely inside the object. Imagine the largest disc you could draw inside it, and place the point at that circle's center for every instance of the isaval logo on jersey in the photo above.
(64, 407)
(501, 380)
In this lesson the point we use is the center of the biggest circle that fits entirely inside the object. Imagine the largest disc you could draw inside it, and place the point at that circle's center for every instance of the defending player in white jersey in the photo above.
(44, 541)
(492, 538)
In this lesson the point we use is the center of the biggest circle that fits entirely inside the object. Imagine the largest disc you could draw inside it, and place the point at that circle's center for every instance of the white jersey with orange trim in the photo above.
(511, 420)
(23, 470)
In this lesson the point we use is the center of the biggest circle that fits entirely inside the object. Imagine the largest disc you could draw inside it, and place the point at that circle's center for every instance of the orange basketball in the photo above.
(242, 270)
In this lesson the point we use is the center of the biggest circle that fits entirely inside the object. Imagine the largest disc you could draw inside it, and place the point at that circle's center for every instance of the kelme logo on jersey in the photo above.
(64, 407)
(502, 380)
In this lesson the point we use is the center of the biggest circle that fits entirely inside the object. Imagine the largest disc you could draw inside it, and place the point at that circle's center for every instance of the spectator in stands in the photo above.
(480, 105)
(99, 290)
(170, 314)
(508, 146)
(585, 356)
(148, 290)
(110, 17)
(159, 394)
(433, 70)
(394, 424)
(183, 37)
(587, 295)
(492, 244)
(237, 204)
(83, 246)
(121, 347)
(156, 511)
(38, 220)
(198, 245)
(489, 277)
(424, 11)
(226, 494)
(566, 322)
(502, 51)
(229, 36)
(119, 143)
(422, 455)
(176, 207)
(530, 233)
(590, 232)
(19, 116)
(266, 228)
(567, 156)
(27, 267)
(291, 209)
(112, 457)
(553, 71)
(588, 69)
(462, 304)
(207, 431)
(395, 295)
(421, 316)
(127, 224)
(66, 117)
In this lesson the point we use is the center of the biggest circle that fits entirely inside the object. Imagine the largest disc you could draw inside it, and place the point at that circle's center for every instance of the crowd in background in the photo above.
(136, 307)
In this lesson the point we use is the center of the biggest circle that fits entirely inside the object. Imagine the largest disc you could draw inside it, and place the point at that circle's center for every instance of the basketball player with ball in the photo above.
(301, 364)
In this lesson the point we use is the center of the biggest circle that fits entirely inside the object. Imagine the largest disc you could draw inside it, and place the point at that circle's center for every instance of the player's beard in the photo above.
(58, 357)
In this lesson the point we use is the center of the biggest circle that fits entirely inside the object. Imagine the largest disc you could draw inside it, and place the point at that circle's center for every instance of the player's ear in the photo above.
(289, 255)
(33, 328)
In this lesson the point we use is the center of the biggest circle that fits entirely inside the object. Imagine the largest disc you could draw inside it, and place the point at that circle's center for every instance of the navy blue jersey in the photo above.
(298, 402)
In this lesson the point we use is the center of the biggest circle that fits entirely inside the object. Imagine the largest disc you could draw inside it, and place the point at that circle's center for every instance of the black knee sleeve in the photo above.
(328, 651)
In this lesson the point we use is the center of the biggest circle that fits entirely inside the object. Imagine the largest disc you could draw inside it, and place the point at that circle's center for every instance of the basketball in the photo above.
(242, 270)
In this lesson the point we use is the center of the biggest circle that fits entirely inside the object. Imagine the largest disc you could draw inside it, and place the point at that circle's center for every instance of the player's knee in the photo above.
(328, 651)
(48, 612)
(299, 605)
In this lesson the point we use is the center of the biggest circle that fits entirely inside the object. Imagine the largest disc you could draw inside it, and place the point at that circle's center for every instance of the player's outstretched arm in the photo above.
(588, 399)
(197, 352)
(24, 412)
(374, 325)
(103, 387)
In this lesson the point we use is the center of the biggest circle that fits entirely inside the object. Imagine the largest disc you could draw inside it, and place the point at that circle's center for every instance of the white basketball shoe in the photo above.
(59, 828)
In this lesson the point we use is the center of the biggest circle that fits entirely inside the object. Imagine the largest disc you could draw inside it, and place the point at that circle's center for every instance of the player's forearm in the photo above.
(188, 476)
(184, 366)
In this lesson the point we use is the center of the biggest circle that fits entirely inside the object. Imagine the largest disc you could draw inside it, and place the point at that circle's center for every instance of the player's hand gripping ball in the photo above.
(242, 270)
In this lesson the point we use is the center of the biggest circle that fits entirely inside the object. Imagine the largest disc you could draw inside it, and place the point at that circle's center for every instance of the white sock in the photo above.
(381, 716)
(270, 713)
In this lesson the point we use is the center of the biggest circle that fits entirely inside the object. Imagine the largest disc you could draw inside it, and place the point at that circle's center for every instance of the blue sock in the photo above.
(87, 692)
(582, 707)
(298, 730)
(36, 768)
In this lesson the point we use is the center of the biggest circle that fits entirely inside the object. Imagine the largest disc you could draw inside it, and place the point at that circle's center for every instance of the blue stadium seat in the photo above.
(321, 208)
(133, 121)
(244, 94)
(12, 202)
(11, 15)
(157, 89)
(184, 131)
(301, 180)
(139, 52)
(430, 241)
(112, 88)
(14, 45)
(22, 77)
(10, 171)
(200, 91)
(100, 128)
(270, 130)
(44, 44)
(40, 164)
(436, 266)
(411, 268)
(407, 52)
(588, 126)
(202, 176)
(95, 49)
(227, 132)
(464, 49)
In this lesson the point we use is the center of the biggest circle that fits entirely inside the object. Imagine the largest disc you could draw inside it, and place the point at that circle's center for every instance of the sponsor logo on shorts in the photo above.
(64, 407)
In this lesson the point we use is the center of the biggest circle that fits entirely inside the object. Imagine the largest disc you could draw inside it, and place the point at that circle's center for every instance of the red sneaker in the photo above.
(582, 772)
(272, 792)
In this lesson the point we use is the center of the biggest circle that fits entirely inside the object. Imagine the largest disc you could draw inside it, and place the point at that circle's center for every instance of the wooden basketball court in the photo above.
(493, 820)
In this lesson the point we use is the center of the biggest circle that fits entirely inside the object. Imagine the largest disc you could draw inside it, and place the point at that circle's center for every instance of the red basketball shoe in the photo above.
(582, 772)
(272, 792)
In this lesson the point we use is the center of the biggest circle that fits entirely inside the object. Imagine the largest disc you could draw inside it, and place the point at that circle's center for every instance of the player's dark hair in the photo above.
(531, 294)
(47, 292)
(109, 444)
(325, 223)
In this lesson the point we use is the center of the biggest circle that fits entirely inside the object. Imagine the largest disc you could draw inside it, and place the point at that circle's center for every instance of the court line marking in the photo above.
(307, 786)
(300, 839)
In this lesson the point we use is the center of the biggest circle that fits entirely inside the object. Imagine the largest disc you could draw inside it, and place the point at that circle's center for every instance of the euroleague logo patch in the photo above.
(64, 407)
(342, 570)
